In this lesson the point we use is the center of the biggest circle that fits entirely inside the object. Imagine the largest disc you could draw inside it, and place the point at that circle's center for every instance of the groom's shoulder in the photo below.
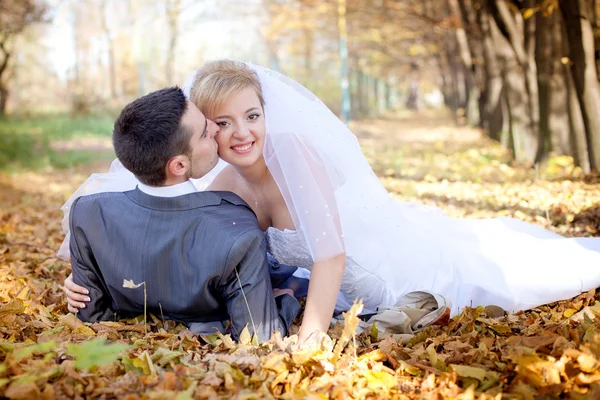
(83, 208)
(85, 204)
(98, 198)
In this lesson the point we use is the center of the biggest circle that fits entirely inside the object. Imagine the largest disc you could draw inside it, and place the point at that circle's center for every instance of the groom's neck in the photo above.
(170, 181)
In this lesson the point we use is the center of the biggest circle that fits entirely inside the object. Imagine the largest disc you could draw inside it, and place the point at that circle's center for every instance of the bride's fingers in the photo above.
(74, 304)
(72, 309)
(74, 297)
(73, 287)
(279, 292)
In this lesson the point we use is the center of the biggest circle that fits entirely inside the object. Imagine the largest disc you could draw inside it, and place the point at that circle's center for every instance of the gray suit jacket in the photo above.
(202, 256)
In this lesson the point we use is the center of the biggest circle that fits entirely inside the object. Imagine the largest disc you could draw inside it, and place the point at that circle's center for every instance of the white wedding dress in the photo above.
(503, 261)
(392, 248)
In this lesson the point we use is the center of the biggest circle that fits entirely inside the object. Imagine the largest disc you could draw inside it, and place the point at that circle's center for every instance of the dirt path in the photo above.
(427, 159)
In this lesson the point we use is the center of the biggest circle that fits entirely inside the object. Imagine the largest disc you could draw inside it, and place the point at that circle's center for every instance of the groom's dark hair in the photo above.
(148, 133)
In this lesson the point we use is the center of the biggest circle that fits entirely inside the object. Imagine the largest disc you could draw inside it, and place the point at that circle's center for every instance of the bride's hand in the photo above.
(76, 295)
(279, 292)
(305, 333)
(323, 289)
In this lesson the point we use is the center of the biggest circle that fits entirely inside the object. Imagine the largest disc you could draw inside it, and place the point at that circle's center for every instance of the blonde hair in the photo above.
(218, 80)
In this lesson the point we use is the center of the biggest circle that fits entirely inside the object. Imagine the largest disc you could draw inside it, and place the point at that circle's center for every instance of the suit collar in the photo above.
(180, 189)
(184, 202)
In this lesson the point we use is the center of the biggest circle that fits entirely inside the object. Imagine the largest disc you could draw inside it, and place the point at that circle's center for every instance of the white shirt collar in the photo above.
(180, 189)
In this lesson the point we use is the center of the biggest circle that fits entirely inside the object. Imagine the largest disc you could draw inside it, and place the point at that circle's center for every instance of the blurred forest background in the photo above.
(525, 71)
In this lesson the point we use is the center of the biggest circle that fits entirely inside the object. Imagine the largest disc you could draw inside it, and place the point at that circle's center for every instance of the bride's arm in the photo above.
(323, 288)
(318, 195)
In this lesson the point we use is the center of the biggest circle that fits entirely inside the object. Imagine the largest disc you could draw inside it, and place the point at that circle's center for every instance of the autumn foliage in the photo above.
(551, 351)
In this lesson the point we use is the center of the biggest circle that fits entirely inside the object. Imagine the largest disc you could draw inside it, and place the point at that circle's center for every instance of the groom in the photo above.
(201, 255)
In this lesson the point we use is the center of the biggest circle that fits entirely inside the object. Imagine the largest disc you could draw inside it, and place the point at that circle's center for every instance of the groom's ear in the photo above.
(177, 166)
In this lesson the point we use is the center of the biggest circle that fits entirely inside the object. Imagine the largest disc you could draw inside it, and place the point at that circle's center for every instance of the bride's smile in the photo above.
(243, 148)
(242, 124)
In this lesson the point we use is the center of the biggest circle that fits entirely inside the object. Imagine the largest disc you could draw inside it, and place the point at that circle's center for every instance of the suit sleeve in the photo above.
(248, 293)
(87, 274)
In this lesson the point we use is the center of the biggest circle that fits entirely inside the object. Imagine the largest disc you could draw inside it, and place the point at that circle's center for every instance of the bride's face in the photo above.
(242, 129)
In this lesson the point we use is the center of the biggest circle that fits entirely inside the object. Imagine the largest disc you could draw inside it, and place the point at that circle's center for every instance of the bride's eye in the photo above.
(222, 124)
(253, 117)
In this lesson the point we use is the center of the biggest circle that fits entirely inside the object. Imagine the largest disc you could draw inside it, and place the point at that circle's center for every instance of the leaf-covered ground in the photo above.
(549, 352)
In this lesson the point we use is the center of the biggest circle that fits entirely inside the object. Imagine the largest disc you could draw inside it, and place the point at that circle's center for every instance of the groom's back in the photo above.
(184, 248)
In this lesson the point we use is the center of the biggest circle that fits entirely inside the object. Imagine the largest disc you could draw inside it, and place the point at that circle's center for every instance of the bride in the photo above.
(322, 208)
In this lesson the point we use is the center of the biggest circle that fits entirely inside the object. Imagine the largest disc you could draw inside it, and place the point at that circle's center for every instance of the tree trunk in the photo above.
(362, 94)
(412, 102)
(3, 99)
(531, 81)
(596, 25)
(447, 83)
(472, 91)
(454, 95)
(554, 116)
(111, 50)
(576, 124)
(388, 95)
(173, 9)
(544, 57)
(521, 78)
(495, 120)
(578, 23)
(3, 70)
(477, 94)
(515, 92)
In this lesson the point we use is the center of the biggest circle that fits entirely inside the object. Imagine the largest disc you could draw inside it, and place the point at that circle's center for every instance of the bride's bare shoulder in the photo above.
(225, 180)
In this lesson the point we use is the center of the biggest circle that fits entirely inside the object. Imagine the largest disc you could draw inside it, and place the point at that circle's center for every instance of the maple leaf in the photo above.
(351, 321)
(95, 353)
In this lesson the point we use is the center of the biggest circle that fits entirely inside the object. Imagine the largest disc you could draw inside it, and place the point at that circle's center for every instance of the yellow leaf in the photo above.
(188, 394)
(351, 321)
(227, 341)
(530, 12)
(380, 380)
(375, 355)
(84, 330)
(465, 371)
(410, 369)
(569, 312)
(374, 332)
(75, 325)
(275, 363)
(15, 306)
(141, 364)
(245, 337)
(501, 329)
(588, 363)
(538, 371)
